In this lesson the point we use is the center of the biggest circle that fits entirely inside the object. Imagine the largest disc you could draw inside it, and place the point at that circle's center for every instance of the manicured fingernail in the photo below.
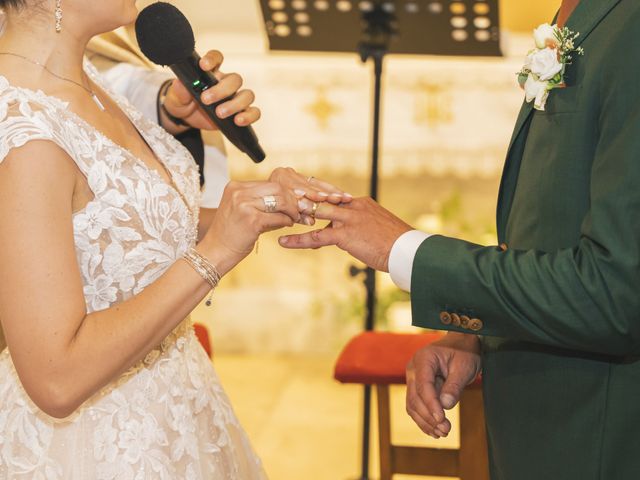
(345, 194)
(303, 205)
(336, 195)
(323, 194)
(299, 193)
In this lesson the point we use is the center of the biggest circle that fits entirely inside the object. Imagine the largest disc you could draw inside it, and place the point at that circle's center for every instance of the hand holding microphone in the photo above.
(180, 104)
(166, 38)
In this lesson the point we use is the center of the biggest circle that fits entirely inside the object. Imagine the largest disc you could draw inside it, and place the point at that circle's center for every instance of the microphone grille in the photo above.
(164, 34)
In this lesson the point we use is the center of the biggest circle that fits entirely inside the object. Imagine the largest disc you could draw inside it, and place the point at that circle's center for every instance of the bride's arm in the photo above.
(62, 354)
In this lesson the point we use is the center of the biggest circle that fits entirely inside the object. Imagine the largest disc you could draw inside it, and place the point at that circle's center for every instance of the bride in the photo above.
(100, 263)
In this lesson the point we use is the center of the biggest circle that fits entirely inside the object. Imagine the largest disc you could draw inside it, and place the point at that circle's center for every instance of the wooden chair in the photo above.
(380, 359)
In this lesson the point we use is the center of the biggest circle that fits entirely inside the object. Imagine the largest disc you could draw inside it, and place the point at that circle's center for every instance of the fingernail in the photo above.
(336, 195)
(303, 205)
(222, 111)
(447, 401)
(440, 433)
(284, 240)
(347, 195)
(309, 222)
(299, 193)
(323, 194)
(239, 119)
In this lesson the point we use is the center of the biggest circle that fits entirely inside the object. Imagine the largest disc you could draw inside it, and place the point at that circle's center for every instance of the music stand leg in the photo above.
(370, 281)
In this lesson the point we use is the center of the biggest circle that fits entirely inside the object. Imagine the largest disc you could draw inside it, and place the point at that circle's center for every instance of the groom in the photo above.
(557, 304)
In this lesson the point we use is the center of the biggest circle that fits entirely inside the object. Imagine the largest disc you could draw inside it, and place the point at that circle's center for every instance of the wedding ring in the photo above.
(270, 204)
(314, 209)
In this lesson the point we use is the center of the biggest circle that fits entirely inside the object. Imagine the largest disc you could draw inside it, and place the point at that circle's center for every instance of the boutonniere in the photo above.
(545, 65)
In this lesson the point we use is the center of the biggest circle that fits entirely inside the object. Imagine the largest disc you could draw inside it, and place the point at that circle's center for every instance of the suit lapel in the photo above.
(587, 16)
(512, 168)
(583, 20)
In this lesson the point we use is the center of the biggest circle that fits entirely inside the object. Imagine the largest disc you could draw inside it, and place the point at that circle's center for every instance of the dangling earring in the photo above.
(58, 16)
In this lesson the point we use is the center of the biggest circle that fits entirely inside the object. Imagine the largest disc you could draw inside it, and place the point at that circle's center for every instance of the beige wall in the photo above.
(519, 16)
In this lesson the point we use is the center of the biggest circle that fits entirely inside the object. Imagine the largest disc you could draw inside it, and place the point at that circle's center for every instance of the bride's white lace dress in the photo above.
(168, 417)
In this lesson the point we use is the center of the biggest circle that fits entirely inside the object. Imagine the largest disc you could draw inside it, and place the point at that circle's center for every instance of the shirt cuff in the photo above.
(402, 256)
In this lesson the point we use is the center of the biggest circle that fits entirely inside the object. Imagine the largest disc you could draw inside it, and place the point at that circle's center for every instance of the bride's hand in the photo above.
(243, 215)
(309, 190)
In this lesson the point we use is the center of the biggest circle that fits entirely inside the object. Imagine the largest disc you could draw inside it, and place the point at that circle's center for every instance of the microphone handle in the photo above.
(197, 81)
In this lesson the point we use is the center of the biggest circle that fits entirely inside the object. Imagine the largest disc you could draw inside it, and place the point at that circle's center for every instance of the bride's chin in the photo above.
(132, 13)
(127, 18)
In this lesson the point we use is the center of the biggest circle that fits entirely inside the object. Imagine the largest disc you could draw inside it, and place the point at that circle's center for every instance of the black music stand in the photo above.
(373, 29)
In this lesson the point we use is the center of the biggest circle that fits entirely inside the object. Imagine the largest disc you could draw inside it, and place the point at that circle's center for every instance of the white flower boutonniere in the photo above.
(545, 65)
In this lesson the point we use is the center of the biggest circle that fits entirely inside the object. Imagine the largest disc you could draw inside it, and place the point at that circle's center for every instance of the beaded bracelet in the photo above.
(204, 268)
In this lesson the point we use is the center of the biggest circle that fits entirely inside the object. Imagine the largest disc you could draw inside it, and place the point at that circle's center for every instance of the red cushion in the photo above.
(203, 336)
(380, 358)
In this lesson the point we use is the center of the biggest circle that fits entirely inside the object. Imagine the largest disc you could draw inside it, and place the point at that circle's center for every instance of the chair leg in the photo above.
(384, 432)
(474, 457)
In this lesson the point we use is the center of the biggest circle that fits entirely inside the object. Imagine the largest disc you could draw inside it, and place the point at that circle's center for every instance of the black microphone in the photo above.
(166, 38)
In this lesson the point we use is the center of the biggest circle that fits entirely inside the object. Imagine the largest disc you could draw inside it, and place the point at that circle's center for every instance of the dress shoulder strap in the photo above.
(27, 115)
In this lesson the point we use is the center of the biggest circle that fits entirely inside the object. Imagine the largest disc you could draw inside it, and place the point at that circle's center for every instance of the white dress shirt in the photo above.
(401, 258)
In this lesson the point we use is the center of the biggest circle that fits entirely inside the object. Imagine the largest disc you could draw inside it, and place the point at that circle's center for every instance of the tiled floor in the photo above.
(303, 424)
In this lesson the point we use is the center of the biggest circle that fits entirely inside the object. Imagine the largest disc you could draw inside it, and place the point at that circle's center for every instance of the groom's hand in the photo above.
(436, 377)
(362, 228)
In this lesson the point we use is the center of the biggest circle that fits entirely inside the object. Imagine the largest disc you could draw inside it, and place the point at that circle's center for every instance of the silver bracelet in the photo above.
(204, 268)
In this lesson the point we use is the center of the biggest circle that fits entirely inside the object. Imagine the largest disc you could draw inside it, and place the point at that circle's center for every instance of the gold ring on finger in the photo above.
(270, 203)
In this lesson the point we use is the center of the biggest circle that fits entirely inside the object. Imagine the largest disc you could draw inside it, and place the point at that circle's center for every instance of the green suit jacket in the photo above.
(559, 310)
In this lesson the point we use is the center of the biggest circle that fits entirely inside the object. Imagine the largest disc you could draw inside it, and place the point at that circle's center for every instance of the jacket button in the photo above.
(504, 247)
(445, 318)
(465, 321)
(455, 320)
(476, 325)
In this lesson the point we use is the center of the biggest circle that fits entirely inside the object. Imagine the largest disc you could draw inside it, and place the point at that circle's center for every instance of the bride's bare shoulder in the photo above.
(39, 169)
